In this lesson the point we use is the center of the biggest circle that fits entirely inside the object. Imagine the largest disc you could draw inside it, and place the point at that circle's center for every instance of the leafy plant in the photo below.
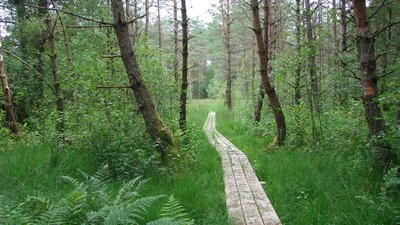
(173, 213)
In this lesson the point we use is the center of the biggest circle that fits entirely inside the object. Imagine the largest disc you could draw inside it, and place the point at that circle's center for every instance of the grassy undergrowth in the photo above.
(25, 171)
(328, 185)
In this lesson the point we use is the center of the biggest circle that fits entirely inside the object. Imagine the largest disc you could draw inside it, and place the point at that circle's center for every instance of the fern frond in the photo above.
(74, 182)
(167, 221)
(174, 209)
(129, 191)
(12, 213)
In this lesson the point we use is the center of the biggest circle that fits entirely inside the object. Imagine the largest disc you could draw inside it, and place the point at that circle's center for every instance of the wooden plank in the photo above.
(246, 200)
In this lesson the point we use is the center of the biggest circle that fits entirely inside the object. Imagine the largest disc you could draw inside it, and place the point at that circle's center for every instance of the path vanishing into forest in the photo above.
(246, 200)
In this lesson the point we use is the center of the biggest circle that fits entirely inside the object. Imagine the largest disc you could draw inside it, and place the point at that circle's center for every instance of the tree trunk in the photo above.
(159, 133)
(314, 89)
(253, 66)
(185, 55)
(60, 126)
(176, 45)
(244, 64)
(258, 106)
(6, 90)
(342, 50)
(21, 105)
(297, 93)
(39, 54)
(382, 155)
(159, 26)
(265, 82)
(311, 58)
(129, 17)
(147, 22)
(226, 21)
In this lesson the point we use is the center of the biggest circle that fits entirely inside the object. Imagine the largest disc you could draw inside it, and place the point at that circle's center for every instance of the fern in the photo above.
(12, 213)
(130, 190)
(91, 203)
(173, 213)
(127, 208)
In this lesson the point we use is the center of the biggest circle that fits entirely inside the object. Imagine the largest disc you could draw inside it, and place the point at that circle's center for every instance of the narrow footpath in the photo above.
(246, 201)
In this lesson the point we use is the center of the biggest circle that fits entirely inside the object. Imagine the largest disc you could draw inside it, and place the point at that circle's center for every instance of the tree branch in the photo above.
(29, 66)
(69, 13)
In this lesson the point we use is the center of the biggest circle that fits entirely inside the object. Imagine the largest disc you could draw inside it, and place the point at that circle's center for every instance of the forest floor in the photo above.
(331, 185)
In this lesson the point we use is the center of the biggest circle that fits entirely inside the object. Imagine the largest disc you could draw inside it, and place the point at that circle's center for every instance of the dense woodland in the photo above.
(104, 101)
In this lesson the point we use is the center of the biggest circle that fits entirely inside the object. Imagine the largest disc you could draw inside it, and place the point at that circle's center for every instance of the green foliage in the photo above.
(174, 211)
(91, 203)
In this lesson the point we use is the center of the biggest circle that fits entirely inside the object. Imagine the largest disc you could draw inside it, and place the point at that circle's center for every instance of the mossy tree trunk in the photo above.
(159, 133)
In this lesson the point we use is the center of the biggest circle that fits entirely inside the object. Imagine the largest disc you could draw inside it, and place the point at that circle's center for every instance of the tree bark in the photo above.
(311, 58)
(60, 125)
(253, 66)
(185, 55)
(160, 134)
(176, 45)
(159, 26)
(382, 155)
(226, 21)
(342, 50)
(297, 93)
(265, 82)
(147, 22)
(258, 105)
(6, 90)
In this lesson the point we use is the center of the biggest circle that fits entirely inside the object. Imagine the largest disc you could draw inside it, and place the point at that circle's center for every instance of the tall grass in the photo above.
(25, 170)
(328, 185)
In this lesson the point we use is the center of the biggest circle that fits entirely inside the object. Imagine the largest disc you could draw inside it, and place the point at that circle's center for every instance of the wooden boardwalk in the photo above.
(246, 200)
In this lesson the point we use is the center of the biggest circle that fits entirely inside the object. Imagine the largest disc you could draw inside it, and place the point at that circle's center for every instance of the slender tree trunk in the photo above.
(382, 155)
(342, 50)
(226, 21)
(269, 89)
(6, 90)
(176, 45)
(314, 90)
(160, 134)
(258, 105)
(60, 125)
(297, 91)
(185, 55)
(159, 26)
(135, 14)
(147, 22)
(244, 64)
(129, 17)
(40, 42)
(253, 66)
(261, 92)
(311, 57)
(65, 37)
(21, 106)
